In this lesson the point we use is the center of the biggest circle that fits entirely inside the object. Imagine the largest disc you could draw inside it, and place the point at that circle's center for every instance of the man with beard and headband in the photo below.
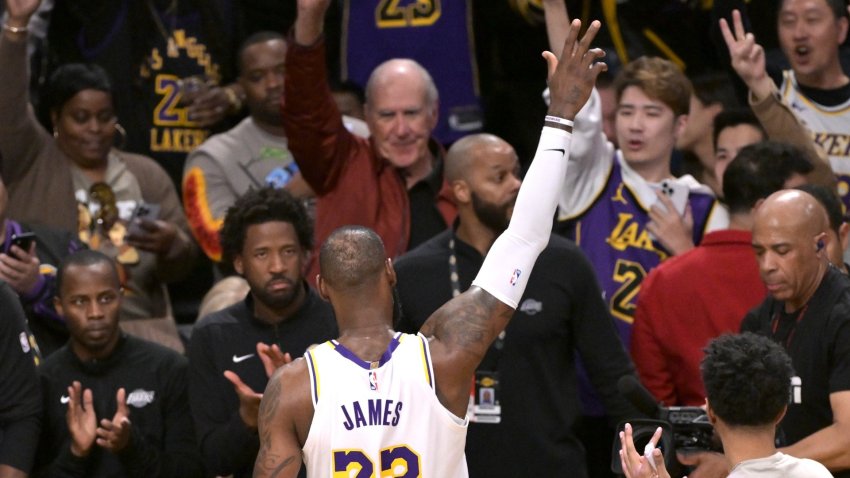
(561, 312)
(266, 236)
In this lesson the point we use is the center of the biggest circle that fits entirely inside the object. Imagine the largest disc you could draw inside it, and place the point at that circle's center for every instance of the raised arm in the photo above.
(778, 120)
(318, 140)
(21, 136)
(557, 24)
(463, 329)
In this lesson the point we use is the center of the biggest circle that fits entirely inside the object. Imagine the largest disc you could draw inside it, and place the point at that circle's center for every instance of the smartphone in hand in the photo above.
(676, 191)
(23, 240)
(146, 211)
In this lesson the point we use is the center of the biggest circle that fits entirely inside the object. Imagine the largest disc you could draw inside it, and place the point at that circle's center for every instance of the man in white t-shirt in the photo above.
(748, 383)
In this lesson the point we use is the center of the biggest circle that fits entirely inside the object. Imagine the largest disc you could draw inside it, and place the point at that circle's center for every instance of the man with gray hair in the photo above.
(393, 183)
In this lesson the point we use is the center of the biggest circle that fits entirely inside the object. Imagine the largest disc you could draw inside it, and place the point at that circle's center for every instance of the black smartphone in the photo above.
(23, 240)
(143, 211)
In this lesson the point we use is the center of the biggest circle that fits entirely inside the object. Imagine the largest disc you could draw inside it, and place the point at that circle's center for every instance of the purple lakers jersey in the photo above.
(612, 232)
(436, 34)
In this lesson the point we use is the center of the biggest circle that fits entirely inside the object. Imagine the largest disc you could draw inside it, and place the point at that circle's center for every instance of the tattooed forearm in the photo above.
(268, 406)
(468, 320)
(270, 465)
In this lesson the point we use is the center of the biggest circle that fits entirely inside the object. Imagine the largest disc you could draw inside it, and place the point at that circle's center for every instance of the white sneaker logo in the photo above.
(64, 399)
(237, 359)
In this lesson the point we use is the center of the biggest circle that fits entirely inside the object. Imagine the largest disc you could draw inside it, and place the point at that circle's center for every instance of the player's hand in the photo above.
(673, 231)
(20, 269)
(272, 357)
(636, 465)
(249, 400)
(114, 435)
(80, 418)
(747, 56)
(707, 464)
(20, 11)
(572, 77)
(155, 236)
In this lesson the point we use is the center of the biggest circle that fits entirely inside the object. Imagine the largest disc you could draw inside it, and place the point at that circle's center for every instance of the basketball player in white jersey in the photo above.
(379, 403)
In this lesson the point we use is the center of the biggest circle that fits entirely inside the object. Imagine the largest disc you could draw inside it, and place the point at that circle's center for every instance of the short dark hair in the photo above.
(747, 379)
(84, 258)
(259, 206)
(255, 38)
(760, 170)
(715, 87)
(70, 79)
(351, 87)
(735, 117)
(351, 257)
(838, 7)
(828, 198)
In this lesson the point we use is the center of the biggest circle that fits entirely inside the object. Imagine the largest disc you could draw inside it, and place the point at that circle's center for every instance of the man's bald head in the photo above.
(402, 69)
(351, 257)
(461, 157)
(793, 209)
(789, 239)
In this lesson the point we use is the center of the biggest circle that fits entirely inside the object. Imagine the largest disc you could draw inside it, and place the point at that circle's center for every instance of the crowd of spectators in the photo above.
(155, 151)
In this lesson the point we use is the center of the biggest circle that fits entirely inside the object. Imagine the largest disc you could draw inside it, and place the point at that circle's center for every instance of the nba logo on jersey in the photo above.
(373, 380)
(515, 276)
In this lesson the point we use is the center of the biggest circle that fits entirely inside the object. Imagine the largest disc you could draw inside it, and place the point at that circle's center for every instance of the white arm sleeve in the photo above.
(508, 264)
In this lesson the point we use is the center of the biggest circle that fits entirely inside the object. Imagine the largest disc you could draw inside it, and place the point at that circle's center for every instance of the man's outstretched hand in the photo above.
(572, 77)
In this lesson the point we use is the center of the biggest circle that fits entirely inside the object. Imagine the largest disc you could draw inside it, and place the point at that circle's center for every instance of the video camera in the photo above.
(683, 429)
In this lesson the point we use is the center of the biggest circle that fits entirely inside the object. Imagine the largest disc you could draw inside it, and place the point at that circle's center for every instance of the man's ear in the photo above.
(780, 416)
(842, 28)
(460, 189)
(321, 288)
(435, 114)
(238, 265)
(679, 125)
(712, 418)
(393, 279)
(821, 242)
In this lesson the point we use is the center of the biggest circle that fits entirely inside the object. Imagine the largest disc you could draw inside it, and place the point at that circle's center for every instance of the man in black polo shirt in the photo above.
(525, 388)
(266, 237)
(808, 313)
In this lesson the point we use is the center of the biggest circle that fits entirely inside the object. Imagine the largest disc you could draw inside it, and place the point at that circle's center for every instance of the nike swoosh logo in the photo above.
(64, 399)
(558, 150)
(237, 359)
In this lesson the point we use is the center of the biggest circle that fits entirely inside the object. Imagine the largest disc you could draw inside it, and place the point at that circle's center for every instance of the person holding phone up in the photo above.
(75, 180)
(29, 256)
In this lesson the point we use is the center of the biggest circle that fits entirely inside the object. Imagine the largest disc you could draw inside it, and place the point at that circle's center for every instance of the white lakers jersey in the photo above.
(380, 419)
(830, 127)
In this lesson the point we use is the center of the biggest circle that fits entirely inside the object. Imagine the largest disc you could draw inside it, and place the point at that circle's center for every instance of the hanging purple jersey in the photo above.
(435, 33)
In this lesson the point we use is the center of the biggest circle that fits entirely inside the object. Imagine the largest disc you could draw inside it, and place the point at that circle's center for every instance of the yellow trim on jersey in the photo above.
(790, 83)
(315, 368)
(425, 361)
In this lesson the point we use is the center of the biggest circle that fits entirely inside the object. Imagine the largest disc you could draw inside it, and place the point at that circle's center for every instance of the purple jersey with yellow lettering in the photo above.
(436, 34)
(612, 232)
